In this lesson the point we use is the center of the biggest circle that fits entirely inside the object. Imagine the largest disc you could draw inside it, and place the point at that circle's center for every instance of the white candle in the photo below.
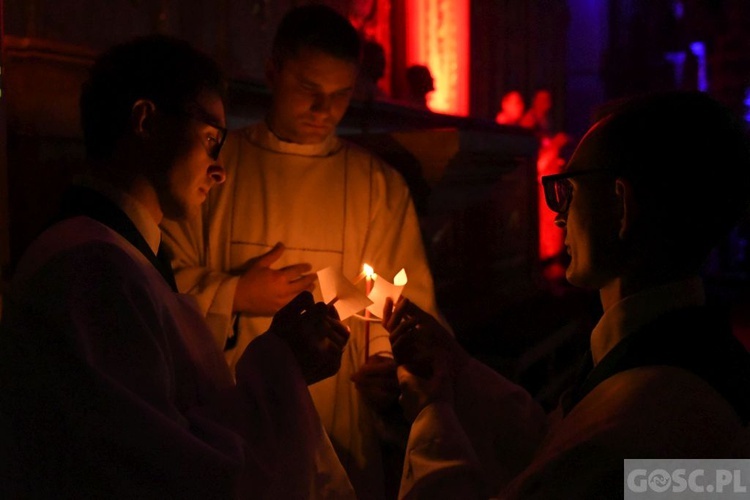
(368, 288)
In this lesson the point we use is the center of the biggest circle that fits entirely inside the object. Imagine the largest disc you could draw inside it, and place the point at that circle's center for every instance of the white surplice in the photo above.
(113, 387)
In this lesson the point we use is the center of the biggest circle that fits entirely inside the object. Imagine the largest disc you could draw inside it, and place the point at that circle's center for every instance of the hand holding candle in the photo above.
(418, 339)
(341, 293)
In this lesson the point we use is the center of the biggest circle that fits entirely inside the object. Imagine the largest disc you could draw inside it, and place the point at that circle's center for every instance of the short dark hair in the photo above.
(166, 70)
(315, 26)
(688, 158)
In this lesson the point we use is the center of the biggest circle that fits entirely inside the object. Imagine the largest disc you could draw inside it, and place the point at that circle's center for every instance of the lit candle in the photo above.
(369, 276)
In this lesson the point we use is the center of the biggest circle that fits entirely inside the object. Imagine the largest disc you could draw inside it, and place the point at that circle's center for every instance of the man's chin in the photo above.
(314, 135)
(181, 211)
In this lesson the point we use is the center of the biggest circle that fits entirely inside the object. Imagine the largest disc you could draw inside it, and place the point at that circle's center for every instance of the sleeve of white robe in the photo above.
(394, 242)
(504, 424)
(440, 462)
(493, 428)
(213, 290)
(306, 463)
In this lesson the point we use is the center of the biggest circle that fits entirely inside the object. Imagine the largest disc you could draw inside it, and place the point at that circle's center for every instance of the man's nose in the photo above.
(321, 104)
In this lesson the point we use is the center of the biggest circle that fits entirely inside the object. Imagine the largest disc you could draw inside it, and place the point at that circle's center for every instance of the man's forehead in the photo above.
(590, 152)
(307, 53)
(321, 69)
(209, 107)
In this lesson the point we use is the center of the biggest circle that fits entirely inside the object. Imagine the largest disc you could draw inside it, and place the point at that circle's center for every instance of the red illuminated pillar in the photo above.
(437, 36)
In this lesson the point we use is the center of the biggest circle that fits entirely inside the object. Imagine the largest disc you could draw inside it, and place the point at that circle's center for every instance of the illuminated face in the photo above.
(311, 92)
(592, 222)
(512, 106)
(542, 102)
(195, 168)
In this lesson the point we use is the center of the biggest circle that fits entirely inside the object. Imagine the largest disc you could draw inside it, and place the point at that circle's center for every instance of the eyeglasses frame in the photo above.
(549, 181)
(196, 112)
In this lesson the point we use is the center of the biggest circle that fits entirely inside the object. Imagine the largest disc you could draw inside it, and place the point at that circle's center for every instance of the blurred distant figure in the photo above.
(371, 71)
(537, 119)
(549, 162)
(537, 116)
(420, 83)
(512, 107)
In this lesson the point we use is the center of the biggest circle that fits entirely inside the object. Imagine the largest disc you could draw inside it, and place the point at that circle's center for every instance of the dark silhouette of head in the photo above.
(373, 60)
(166, 70)
(688, 159)
(420, 83)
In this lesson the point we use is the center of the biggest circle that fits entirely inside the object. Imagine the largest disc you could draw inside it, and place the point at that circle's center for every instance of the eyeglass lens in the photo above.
(198, 113)
(214, 151)
(557, 194)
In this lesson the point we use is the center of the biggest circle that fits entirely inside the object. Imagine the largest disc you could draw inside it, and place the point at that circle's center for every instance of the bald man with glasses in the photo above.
(664, 377)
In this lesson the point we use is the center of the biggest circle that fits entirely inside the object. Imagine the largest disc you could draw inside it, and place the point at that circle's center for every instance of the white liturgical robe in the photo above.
(331, 204)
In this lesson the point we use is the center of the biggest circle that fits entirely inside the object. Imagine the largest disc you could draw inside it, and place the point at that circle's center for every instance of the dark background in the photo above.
(474, 182)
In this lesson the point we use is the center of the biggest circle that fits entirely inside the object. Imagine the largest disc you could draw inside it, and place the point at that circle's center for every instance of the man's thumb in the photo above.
(272, 255)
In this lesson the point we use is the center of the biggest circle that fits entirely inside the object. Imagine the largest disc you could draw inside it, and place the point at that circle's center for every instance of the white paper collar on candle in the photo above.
(349, 300)
(383, 289)
(334, 285)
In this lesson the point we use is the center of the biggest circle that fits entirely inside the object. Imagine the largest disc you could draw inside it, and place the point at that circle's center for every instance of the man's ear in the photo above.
(627, 206)
(142, 116)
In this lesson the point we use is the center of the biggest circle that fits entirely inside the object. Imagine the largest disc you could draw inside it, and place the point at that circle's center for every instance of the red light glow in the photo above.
(437, 36)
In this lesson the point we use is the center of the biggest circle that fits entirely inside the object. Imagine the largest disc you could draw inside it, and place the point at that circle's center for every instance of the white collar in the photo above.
(136, 212)
(635, 311)
(263, 137)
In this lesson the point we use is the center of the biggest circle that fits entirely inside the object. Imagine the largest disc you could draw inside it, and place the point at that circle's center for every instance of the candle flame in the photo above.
(368, 270)
(400, 279)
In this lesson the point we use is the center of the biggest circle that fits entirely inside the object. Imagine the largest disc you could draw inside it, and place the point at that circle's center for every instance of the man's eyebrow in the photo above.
(307, 82)
(317, 86)
(205, 116)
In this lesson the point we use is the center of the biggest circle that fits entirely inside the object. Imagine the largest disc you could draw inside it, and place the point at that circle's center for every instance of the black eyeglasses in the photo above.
(198, 113)
(558, 191)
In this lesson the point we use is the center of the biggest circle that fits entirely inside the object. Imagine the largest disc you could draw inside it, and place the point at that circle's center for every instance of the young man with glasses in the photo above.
(651, 189)
(112, 386)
